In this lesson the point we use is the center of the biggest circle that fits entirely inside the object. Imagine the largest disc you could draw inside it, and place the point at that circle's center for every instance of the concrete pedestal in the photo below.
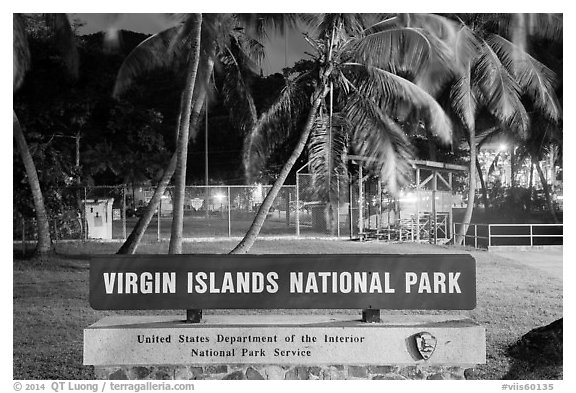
(283, 347)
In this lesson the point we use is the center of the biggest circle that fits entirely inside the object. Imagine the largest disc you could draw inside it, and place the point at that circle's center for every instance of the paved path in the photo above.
(548, 260)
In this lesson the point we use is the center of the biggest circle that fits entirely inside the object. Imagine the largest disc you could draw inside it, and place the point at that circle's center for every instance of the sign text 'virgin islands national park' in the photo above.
(409, 282)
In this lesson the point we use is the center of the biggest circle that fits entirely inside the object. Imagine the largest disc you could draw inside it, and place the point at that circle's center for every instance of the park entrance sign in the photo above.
(296, 344)
(408, 282)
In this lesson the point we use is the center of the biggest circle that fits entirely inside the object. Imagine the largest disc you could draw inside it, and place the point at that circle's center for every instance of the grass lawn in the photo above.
(51, 304)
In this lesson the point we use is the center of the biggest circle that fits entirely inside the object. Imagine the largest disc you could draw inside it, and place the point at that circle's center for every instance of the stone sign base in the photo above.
(284, 347)
(255, 372)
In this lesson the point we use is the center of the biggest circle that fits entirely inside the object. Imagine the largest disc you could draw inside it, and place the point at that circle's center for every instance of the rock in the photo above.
(219, 369)
(411, 372)
(470, 373)
(119, 374)
(315, 371)
(298, 372)
(251, 373)
(438, 376)
(333, 373)
(140, 372)
(540, 345)
(357, 372)
(273, 372)
(390, 377)
(382, 369)
(236, 375)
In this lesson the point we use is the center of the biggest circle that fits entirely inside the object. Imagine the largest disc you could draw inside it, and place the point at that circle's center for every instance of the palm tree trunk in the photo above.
(248, 241)
(133, 240)
(432, 149)
(483, 185)
(471, 191)
(512, 168)
(44, 246)
(546, 189)
(182, 147)
(531, 187)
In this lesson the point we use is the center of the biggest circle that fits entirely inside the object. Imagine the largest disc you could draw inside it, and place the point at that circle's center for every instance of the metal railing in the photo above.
(528, 235)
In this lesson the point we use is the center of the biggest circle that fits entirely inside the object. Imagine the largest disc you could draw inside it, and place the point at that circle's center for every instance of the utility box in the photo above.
(98, 213)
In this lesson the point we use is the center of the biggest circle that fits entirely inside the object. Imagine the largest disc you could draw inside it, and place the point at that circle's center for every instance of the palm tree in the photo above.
(59, 25)
(365, 64)
(226, 41)
(496, 79)
(182, 145)
(545, 136)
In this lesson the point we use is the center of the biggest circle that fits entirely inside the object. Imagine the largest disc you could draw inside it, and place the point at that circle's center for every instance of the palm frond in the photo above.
(523, 25)
(388, 91)
(326, 152)
(376, 136)
(487, 135)
(405, 50)
(259, 25)
(235, 90)
(346, 24)
(463, 101)
(21, 52)
(440, 26)
(547, 25)
(533, 77)
(498, 91)
(157, 51)
(466, 47)
(275, 125)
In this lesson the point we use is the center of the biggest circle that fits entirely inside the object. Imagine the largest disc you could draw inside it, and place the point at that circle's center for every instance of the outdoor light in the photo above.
(219, 196)
(408, 197)
(503, 147)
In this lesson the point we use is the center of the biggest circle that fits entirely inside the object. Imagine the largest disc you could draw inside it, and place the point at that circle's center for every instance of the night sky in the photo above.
(153, 23)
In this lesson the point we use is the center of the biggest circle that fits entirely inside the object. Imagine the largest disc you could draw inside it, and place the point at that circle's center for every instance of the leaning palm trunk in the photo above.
(546, 189)
(44, 245)
(530, 187)
(482, 185)
(130, 245)
(248, 241)
(182, 146)
(460, 237)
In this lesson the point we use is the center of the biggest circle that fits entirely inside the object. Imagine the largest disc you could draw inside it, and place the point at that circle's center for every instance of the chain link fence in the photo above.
(111, 212)
(319, 215)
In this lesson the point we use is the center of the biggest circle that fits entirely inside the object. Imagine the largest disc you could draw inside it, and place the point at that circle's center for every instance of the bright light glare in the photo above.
(409, 197)
(503, 147)
(219, 196)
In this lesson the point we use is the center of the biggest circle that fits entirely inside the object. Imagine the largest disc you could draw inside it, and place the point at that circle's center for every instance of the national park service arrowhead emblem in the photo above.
(425, 343)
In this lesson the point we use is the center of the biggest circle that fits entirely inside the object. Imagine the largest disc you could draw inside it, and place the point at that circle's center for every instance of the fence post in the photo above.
(489, 235)
(158, 213)
(23, 236)
(338, 206)
(84, 215)
(531, 237)
(475, 236)
(124, 211)
(229, 214)
(297, 205)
